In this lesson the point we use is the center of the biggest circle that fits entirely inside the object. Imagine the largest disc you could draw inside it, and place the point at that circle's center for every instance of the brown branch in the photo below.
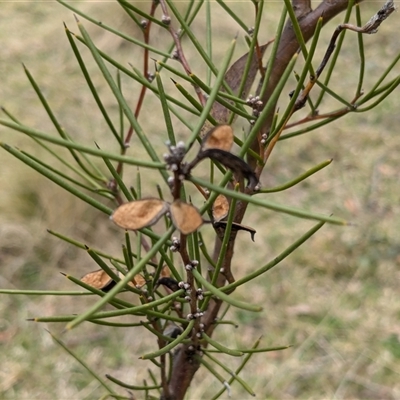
(166, 19)
(289, 45)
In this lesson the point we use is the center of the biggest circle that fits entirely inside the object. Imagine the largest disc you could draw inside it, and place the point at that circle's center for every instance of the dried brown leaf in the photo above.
(185, 217)
(139, 214)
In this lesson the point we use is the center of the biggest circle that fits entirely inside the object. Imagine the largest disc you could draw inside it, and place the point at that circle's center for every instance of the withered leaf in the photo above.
(234, 163)
(220, 207)
(235, 227)
(99, 280)
(139, 214)
(219, 137)
(185, 217)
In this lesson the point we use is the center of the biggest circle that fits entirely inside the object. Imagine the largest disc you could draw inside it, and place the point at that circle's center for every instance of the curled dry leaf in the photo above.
(221, 225)
(139, 214)
(170, 283)
(220, 137)
(185, 217)
(220, 208)
(99, 280)
(234, 163)
(172, 331)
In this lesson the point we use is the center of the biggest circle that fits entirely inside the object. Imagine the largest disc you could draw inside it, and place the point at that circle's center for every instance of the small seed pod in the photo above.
(220, 137)
(139, 214)
(220, 208)
(185, 217)
(99, 280)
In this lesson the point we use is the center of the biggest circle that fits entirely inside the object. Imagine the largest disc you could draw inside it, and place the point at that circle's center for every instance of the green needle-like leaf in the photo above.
(170, 345)
(297, 180)
(123, 282)
(220, 347)
(267, 204)
(56, 179)
(224, 297)
(84, 365)
(68, 144)
(213, 94)
(275, 261)
(121, 100)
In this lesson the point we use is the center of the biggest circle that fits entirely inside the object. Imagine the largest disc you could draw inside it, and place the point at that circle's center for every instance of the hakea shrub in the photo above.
(198, 281)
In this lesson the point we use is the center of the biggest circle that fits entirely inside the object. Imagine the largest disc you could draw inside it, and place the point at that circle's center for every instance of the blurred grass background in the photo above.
(335, 299)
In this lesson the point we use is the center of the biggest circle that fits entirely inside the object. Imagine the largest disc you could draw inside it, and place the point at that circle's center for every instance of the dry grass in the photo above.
(335, 300)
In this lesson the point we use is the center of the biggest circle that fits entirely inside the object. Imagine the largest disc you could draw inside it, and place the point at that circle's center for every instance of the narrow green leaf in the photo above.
(230, 12)
(392, 87)
(297, 180)
(45, 292)
(92, 88)
(170, 345)
(246, 359)
(123, 282)
(68, 144)
(370, 94)
(267, 204)
(164, 104)
(56, 179)
(224, 297)
(82, 245)
(116, 32)
(121, 100)
(213, 94)
(335, 56)
(275, 261)
(118, 179)
(272, 58)
(220, 347)
(132, 387)
(225, 241)
(84, 365)
(230, 372)
(98, 189)
(297, 30)
(267, 108)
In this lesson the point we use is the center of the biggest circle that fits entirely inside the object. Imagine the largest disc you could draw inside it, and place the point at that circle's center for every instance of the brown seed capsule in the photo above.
(99, 280)
(220, 207)
(220, 137)
(185, 217)
(137, 281)
(165, 272)
(139, 214)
